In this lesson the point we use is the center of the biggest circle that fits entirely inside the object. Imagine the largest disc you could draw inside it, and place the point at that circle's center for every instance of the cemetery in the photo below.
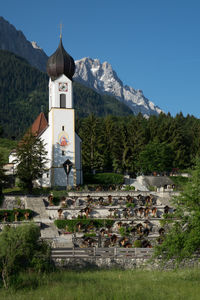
(89, 225)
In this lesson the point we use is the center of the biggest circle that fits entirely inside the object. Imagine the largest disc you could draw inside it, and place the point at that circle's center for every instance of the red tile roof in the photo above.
(39, 125)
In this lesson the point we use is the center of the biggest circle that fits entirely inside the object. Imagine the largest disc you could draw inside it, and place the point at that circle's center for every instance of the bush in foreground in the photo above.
(182, 240)
(21, 249)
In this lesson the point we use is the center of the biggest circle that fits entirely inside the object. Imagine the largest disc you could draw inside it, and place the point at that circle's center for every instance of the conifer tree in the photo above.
(31, 160)
(2, 175)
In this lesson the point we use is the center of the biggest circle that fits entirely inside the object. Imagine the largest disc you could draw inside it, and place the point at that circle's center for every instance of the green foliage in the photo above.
(20, 249)
(72, 224)
(6, 146)
(90, 235)
(137, 244)
(156, 157)
(130, 205)
(10, 214)
(179, 181)
(183, 237)
(87, 101)
(31, 158)
(104, 178)
(123, 231)
(134, 144)
(23, 89)
(2, 175)
(129, 188)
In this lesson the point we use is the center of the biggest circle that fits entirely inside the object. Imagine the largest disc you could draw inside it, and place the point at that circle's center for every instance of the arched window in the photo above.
(62, 101)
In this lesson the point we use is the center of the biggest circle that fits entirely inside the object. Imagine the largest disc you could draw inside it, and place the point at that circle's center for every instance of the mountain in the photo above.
(89, 72)
(103, 79)
(14, 41)
(24, 93)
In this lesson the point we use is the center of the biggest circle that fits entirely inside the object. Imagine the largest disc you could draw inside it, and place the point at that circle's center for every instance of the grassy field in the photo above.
(112, 284)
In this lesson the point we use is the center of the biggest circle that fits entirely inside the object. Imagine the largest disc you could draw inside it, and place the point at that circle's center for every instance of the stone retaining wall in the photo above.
(11, 202)
(122, 263)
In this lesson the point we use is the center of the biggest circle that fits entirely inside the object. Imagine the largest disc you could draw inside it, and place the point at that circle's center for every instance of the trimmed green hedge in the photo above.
(72, 224)
(11, 217)
(104, 178)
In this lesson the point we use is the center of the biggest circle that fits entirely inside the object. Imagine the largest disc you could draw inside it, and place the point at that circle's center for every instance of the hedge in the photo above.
(72, 224)
(11, 214)
(104, 178)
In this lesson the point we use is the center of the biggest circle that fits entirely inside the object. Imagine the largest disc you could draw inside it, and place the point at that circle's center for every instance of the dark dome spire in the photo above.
(60, 63)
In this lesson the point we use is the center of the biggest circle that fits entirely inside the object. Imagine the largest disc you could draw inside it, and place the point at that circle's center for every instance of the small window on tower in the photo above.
(62, 101)
(63, 153)
(63, 128)
(47, 175)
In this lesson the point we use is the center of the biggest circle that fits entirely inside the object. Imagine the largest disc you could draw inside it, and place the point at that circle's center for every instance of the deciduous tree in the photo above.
(183, 237)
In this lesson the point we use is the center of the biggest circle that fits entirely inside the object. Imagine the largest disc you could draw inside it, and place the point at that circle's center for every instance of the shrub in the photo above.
(90, 235)
(137, 244)
(11, 214)
(104, 178)
(130, 205)
(122, 231)
(72, 224)
(20, 249)
(129, 188)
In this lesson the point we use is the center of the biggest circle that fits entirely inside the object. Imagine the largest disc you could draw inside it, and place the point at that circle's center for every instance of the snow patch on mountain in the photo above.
(35, 45)
(103, 79)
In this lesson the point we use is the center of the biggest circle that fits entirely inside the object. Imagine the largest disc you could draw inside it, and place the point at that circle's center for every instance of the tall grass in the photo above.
(110, 284)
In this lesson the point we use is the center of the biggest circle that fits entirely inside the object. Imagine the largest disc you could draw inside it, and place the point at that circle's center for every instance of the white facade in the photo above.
(61, 141)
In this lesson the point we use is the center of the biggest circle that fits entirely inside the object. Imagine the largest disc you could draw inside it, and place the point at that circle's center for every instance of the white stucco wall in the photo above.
(62, 124)
(55, 91)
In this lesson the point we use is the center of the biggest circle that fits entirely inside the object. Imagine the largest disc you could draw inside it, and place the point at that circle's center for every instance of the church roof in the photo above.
(158, 181)
(60, 63)
(39, 125)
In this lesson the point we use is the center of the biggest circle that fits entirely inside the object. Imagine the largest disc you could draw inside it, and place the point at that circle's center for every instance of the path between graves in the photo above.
(48, 229)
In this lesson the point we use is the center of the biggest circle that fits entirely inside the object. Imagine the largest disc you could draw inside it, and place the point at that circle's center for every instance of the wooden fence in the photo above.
(101, 253)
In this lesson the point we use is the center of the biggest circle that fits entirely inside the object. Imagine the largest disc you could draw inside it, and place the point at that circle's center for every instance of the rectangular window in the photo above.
(63, 128)
(63, 153)
(47, 175)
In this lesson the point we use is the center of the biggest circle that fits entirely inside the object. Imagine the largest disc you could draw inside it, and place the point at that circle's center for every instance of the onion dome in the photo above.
(60, 63)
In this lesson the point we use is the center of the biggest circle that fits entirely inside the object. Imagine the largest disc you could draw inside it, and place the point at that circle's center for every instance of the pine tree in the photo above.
(31, 160)
(2, 175)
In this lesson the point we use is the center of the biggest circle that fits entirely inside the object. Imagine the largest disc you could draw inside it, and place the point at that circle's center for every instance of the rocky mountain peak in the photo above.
(14, 41)
(103, 79)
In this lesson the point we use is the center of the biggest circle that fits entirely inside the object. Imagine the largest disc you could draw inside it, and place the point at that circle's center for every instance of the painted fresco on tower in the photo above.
(63, 140)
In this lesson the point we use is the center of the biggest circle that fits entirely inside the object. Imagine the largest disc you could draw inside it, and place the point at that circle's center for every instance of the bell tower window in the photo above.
(62, 101)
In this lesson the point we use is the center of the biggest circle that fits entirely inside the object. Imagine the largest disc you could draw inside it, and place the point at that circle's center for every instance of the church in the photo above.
(63, 145)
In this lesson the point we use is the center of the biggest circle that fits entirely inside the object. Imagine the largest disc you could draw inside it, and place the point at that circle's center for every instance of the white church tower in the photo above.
(62, 143)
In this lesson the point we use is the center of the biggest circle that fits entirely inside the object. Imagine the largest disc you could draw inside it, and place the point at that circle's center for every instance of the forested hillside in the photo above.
(134, 144)
(24, 92)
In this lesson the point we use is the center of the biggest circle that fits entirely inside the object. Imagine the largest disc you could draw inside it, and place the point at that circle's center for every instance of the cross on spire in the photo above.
(61, 27)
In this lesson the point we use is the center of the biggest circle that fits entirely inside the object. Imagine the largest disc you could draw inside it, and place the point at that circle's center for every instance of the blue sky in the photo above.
(153, 45)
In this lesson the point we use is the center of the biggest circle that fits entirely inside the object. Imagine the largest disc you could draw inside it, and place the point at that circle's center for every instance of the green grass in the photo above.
(37, 192)
(111, 284)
